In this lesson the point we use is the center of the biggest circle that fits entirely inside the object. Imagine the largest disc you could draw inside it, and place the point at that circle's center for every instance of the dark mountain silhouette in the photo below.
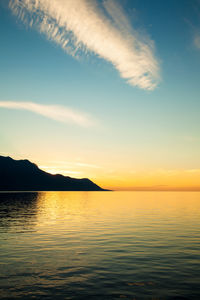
(22, 175)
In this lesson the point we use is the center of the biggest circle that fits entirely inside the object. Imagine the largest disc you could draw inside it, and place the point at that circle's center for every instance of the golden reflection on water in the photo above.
(111, 244)
(142, 212)
(57, 205)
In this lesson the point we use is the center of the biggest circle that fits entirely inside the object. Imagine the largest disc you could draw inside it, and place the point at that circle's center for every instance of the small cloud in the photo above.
(194, 24)
(98, 27)
(54, 112)
(4, 153)
(167, 172)
(56, 170)
(193, 171)
(72, 164)
(197, 40)
(87, 165)
(177, 171)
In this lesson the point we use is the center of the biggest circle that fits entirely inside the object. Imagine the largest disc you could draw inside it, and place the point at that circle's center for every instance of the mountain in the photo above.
(22, 175)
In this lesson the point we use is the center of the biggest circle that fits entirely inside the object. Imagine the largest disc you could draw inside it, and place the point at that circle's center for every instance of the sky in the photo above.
(105, 89)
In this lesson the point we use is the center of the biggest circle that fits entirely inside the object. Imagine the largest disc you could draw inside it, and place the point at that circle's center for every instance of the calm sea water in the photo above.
(100, 245)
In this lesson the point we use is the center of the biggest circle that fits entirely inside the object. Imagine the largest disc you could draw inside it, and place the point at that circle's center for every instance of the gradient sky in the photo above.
(103, 89)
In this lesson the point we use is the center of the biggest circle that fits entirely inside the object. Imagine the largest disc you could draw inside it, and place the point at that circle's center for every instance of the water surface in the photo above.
(100, 245)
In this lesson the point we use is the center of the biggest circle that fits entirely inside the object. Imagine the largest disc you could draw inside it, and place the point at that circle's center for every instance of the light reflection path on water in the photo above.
(100, 245)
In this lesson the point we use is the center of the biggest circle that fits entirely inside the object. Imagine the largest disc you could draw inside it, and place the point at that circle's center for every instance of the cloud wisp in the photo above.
(101, 28)
(197, 40)
(55, 112)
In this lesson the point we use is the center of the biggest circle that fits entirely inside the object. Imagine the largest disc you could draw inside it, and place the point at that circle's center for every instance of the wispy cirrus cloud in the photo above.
(101, 28)
(56, 112)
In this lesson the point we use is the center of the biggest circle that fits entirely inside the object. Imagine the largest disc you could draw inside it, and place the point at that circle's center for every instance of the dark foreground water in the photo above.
(100, 245)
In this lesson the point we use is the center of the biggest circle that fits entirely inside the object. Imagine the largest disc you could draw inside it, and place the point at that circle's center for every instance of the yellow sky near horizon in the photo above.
(122, 177)
(129, 179)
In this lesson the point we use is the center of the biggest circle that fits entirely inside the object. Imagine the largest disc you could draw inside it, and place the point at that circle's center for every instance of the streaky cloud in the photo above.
(56, 112)
(101, 28)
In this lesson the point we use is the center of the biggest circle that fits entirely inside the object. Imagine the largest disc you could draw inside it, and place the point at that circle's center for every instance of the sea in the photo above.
(100, 245)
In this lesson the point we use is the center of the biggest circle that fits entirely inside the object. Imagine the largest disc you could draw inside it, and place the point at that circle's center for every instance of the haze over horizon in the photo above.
(107, 90)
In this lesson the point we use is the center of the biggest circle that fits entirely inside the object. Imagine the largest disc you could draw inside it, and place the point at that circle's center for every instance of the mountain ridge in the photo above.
(23, 175)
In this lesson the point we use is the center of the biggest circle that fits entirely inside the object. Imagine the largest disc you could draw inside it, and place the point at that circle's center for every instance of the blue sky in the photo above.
(134, 129)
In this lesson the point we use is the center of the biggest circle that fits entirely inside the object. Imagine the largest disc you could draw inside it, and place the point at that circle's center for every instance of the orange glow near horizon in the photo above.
(157, 180)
